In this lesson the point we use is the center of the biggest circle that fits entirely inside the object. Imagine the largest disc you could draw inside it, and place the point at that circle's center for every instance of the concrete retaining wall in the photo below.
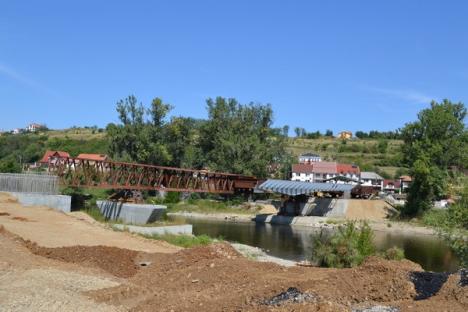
(57, 202)
(29, 183)
(288, 220)
(129, 212)
(156, 230)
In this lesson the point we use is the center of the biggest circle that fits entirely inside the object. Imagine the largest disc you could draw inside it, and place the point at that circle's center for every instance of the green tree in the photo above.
(182, 142)
(382, 146)
(239, 138)
(10, 165)
(140, 136)
(432, 144)
(286, 131)
(298, 132)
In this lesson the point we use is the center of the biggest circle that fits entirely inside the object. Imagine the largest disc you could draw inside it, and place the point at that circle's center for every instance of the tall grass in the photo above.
(348, 247)
(185, 241)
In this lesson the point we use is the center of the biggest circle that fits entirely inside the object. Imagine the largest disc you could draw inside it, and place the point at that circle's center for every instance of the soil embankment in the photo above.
(102, 277)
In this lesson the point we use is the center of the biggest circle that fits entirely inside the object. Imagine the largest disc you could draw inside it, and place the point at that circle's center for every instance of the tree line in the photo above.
(373, 134)
(237, 138)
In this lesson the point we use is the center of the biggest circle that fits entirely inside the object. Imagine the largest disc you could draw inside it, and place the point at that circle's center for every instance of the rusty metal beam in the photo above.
(131, 176)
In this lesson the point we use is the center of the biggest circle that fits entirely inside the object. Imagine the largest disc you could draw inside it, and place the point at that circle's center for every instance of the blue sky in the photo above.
(357, 65)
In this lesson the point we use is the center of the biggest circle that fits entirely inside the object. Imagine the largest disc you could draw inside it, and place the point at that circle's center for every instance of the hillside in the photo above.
(369, 154)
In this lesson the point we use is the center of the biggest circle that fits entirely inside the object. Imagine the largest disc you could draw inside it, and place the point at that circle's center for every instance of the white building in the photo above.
(302, 172)
(34, 127)
(323, 171)
(372, 179)
(308, 158)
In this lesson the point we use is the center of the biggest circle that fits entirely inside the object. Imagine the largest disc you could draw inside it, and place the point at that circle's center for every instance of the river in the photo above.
(295, 243)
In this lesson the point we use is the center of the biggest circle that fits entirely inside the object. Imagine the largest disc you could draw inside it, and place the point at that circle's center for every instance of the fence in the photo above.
(29, 183)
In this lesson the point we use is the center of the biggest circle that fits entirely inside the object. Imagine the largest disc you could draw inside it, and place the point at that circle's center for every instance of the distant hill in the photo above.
(383, 156)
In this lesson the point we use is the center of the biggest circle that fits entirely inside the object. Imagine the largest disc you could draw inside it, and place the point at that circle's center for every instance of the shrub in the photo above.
(348, 247)
(172, 198)
(394, 253)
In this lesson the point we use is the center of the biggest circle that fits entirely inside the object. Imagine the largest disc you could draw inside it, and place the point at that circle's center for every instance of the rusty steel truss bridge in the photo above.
(107, 174)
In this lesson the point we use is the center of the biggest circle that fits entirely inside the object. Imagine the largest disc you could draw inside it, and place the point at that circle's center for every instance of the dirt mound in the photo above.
(116, 261)
(216, 278)
(4, 214)
(375, 280)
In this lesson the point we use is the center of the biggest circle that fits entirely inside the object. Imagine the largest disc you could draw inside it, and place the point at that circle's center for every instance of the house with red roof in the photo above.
(392, 186)
(93, 157)
(325, 171)
(52, 154)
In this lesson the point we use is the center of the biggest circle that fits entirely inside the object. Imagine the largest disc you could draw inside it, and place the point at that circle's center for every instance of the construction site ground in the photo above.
(50, 261)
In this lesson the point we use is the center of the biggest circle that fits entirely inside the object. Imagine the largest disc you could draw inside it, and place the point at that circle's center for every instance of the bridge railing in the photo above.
(131, 176)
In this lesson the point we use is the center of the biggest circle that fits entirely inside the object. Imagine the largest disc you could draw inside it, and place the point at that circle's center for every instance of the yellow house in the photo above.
(345, 135)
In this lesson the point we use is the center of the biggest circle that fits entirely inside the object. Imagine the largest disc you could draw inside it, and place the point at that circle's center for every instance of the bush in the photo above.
(172, 198)
(348, 247)
(394, 253)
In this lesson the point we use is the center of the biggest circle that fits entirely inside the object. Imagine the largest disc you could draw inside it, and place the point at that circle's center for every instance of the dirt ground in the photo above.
(49, 228)
(100, 277)
(360, 209)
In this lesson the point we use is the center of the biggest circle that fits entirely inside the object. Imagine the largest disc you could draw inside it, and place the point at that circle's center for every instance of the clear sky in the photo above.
(355, 65)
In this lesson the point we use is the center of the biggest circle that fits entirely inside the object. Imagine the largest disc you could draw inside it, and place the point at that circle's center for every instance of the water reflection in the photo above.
(296, 243)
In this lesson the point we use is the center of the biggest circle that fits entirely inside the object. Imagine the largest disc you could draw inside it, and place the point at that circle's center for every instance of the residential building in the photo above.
(345, 135)
(405, 182)
(17, 131)
(308, 158)
(372, 179)
(391, 186)
(51, 155)
(325, 171)
(34, 127)
(302, 172)
(349, 171)
(93, 157)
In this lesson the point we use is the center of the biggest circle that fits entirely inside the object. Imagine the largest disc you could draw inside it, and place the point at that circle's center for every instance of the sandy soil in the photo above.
(35, 283)
(50, 228)
(366, 209)
(101, 277)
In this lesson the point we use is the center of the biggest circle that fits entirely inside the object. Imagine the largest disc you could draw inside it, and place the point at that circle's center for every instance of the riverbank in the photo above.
(52, 261)
(228, 217)
(311, 222)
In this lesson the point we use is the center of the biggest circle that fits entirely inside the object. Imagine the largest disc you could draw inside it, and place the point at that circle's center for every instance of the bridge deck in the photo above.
(131, 176)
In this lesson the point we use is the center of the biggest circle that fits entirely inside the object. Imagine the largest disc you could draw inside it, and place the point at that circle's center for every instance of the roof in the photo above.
(369, 175)
(325, 167)
(48, 154)
(406, 178)
(294, 188)
(95, 157)
(309, 155)
(342, 178)
(302, 168)
(395, 183)
(347, 168)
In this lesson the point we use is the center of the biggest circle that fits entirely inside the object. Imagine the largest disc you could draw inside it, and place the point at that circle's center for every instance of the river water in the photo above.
(295, 243)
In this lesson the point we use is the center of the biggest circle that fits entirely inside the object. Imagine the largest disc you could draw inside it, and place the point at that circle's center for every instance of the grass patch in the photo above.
(434, 217)
(394, 253)
(185, 241)
(212, 206)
